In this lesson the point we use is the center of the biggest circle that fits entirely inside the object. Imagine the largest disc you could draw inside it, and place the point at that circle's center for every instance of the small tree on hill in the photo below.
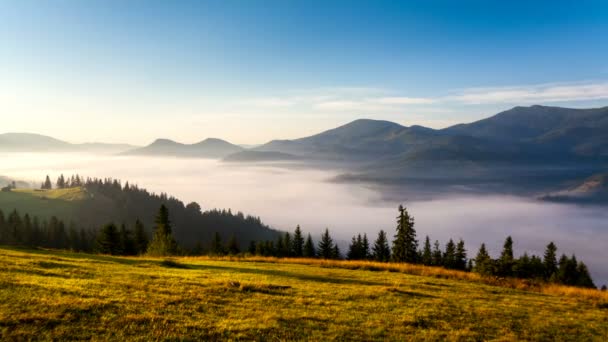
(326, 246)
(405, 245)
(108, 240)
(298, 243)
(506, 260)
(162, 242)
(309, 248)
(449, 257)
(550, 260)
(217, 247)
(233, 246)
(381, 251)
(461, 256)
(141, 238)
(427, 254)
(127, 245)
(483, 262)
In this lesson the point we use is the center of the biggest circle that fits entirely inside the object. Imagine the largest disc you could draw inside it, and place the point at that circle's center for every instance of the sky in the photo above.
(251, 71)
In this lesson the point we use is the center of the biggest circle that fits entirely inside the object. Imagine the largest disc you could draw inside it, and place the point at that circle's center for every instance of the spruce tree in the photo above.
(449, 257)
(354, 249)
(47, 183)
(162, 242)
(326, 246)
(309, 248)
(437, 255)
(427, 254)
(108, 240)
(140, 238)
(335, 252)
(483, 262)
(280, 247)
(217, 247)
(127, 245)
(381, 251)
(287, 245)
(461, 256)
(405, 245)
(298, 243)
(506, 260)
(550, 260)
(365, 254)
(233, 246)
(252, 247)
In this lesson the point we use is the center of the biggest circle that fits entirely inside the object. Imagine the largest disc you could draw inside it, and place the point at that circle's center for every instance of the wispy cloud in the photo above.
(379, 100)
(533, 93)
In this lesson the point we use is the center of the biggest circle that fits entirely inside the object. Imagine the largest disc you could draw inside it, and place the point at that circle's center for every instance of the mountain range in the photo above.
(535, 147)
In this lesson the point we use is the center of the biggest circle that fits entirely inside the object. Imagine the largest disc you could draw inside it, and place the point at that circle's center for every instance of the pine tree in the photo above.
(449, 257)
(550, 260)
(437, 256)
(335, 252)
(140, 238)
(298, 243)
(108, 240)
(217, 247)
(287, 245)
(483, 262)
(162, 242)
(506, 260)
(280, 247)
(233, 246)
(381, 251)
(427, 254)
(127, 245)
(309, 248)
(461, 256)
(405, 245)
(354, 249)
(326, 246)
(47, 185)
(251, 248)
(365, 254)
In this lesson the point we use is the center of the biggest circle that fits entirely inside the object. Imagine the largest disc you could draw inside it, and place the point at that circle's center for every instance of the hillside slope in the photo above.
(28, 142)
(54, 295)
(97, 204)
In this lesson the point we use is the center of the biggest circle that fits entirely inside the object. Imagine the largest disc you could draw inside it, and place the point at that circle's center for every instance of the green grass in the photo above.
(61, 295)
(43, 203)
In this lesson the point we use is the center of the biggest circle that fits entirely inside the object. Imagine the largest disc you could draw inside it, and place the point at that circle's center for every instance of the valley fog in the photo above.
(284, 197)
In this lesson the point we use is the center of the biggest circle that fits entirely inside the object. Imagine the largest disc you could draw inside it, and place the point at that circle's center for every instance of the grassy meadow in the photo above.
(43, 203)
(57, 295)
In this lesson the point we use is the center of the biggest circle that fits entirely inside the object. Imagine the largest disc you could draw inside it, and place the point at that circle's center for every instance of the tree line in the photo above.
(122, 240)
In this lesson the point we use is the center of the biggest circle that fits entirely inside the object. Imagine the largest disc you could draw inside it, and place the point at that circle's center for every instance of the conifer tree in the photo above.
(506, 260)
(298, 243)
(127, 245)
(354, 249)
(252, 248)
(47, 185)
(437, 255)
(483, 262)
(108, 240)
(287, 245)
(140, 238)
(550, 260)
(381, 251)
(405, 245)
(449, 257)
(217, 247)
(461, 256)
(427, 254)
(280, 247)
(233, 246)
(309, 248)
(326, 246)
(162, 242)
(365, 254)
(335, 252)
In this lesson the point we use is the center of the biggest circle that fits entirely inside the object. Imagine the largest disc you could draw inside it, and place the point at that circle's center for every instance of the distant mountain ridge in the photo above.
(208, 148)
(30, 142)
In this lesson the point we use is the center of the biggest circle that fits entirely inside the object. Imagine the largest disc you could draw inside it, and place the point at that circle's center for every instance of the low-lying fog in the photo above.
(285, 197)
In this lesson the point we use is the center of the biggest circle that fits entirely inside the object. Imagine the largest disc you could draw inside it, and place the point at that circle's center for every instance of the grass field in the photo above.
(61, 295)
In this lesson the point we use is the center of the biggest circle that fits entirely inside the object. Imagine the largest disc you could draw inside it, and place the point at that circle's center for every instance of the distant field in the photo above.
(62, 295)
(43, 203)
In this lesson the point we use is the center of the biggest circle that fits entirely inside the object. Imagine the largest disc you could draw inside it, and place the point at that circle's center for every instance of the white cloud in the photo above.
(532, 93)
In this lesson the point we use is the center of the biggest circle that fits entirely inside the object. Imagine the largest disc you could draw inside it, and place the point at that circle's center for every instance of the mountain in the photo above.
(593, 189)
(208, 148)
(29, 142)
(260, 156)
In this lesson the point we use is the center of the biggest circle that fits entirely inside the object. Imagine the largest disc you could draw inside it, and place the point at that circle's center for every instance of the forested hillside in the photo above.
(92, 203)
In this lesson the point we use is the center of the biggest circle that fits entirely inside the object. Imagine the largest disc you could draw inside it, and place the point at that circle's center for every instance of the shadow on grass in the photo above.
(278, 273)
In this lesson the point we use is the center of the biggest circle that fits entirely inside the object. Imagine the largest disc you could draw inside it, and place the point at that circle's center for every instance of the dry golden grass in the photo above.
(55, 295)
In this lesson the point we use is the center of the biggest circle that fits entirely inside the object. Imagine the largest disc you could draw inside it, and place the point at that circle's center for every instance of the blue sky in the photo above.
(250, 71)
